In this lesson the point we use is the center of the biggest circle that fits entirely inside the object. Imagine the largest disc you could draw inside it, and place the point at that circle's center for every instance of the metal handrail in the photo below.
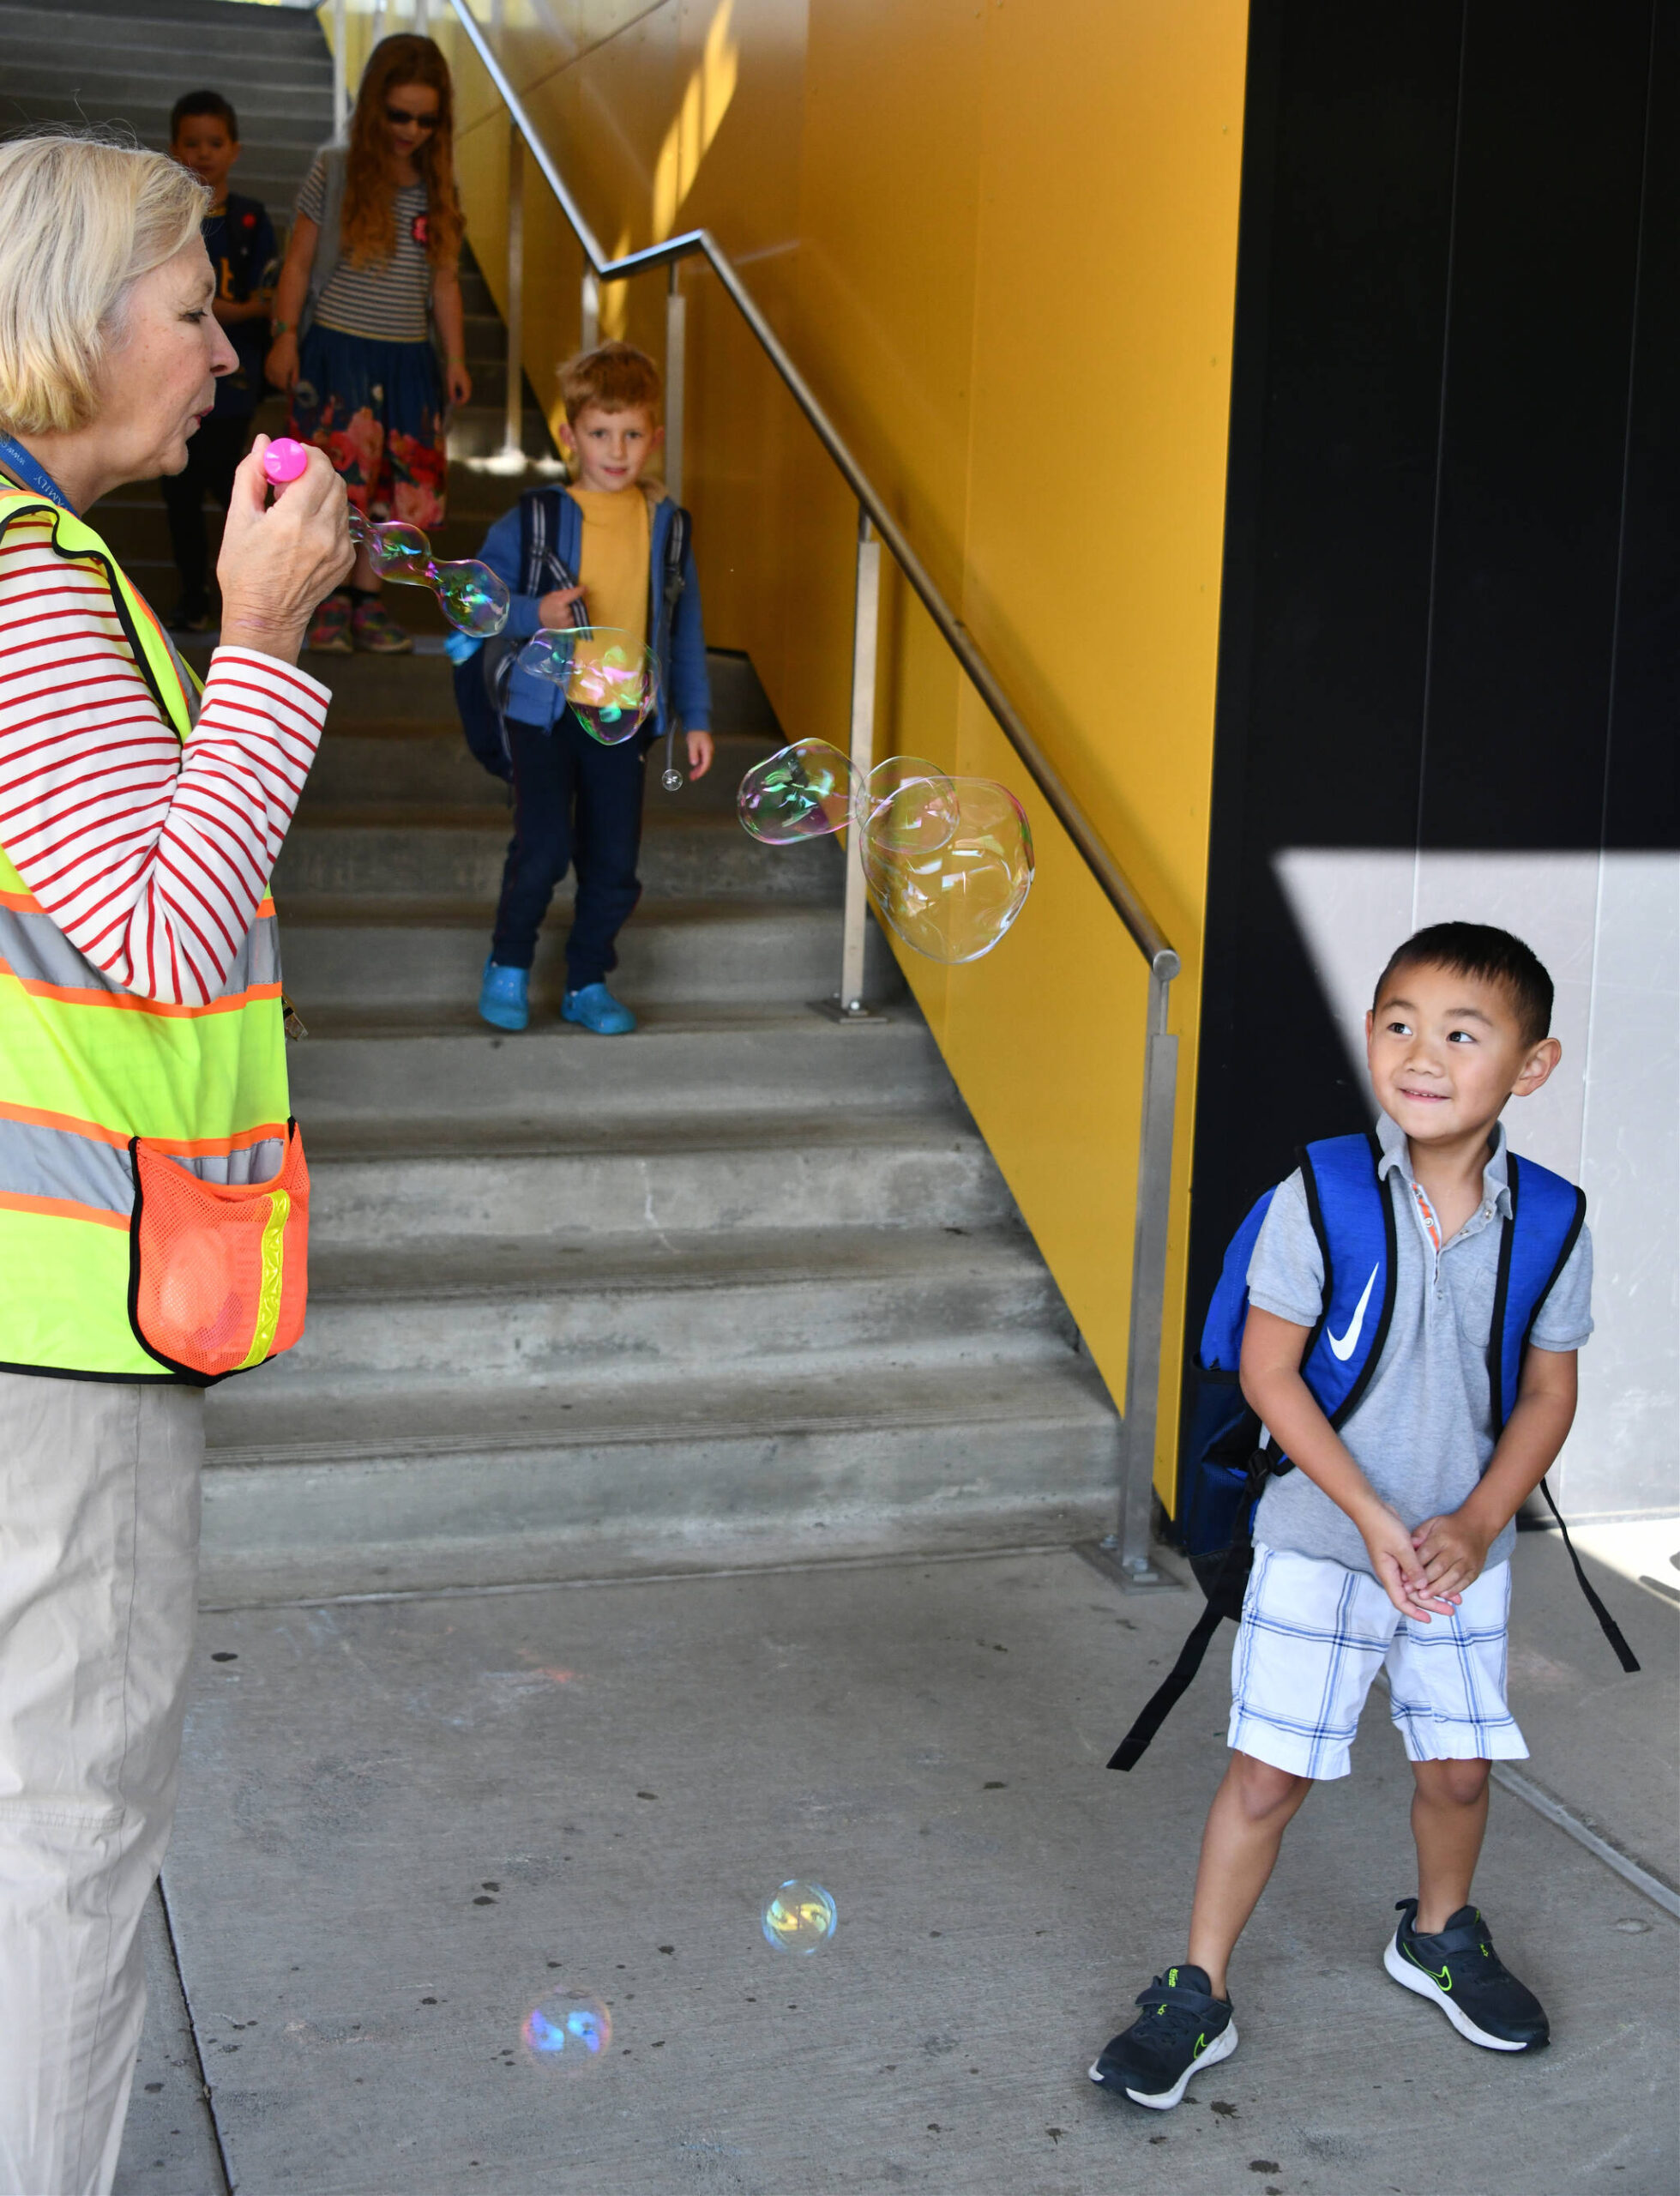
(876, 526)
(699, 243)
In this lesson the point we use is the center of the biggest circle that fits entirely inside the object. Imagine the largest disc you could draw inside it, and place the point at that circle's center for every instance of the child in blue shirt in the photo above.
(204, 136)
(576, 802)
(1387, 1544)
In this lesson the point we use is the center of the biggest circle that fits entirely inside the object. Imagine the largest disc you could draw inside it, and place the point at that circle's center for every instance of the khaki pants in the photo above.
(99, 1553)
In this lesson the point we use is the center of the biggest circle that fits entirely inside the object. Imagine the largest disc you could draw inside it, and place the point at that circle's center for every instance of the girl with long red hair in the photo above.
(368, 296)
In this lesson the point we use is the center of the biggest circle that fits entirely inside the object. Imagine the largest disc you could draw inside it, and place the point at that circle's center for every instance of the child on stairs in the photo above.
(369, 271)
(575, 802)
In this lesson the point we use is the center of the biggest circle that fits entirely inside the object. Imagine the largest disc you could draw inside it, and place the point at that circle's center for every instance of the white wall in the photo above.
(1607, 925)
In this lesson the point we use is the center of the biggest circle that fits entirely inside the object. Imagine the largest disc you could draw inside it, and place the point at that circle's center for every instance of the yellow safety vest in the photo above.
(86, 1067)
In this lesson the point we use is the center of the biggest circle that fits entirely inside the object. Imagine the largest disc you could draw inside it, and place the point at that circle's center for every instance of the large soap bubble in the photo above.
(955, 900)
(801, 791)
(611, 681)
(474, 599)
(906, 806)
(800, 1918)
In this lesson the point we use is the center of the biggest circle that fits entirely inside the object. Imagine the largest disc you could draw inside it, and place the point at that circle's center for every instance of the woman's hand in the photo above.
(277, 565)
(281, 364)
(459, 383)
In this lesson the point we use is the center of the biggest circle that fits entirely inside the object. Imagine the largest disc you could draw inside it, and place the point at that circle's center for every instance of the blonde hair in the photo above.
(616, 377)
(81, 221)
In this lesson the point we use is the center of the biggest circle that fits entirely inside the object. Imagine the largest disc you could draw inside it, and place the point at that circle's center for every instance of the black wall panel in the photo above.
(1452, 591)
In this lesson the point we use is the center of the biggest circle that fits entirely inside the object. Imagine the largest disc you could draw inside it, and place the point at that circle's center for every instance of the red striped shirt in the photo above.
(151, 857)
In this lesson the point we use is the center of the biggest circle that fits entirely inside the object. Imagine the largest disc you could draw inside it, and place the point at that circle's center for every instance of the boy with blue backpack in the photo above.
(1401, 1316)
(619, 546)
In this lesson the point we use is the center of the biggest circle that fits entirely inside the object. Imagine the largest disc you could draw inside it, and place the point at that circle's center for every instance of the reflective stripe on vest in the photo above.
(85, 1066)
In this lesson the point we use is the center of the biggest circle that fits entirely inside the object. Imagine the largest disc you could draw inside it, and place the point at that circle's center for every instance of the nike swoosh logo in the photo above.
(1342, 1345)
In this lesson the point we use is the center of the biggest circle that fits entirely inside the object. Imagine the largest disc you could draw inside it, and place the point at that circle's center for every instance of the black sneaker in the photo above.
(1182, 2029)
(1458, 1969)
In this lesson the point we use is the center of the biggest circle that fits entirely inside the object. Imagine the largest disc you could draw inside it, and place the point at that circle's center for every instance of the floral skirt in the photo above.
(377, 411)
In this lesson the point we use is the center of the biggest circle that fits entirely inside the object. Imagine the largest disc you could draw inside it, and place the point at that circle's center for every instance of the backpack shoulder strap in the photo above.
(676, 548)
(1353, 1215)
(1547, 1215)
(541, 515)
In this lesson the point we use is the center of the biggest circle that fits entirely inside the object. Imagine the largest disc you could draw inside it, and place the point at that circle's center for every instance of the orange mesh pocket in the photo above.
(218, 1272)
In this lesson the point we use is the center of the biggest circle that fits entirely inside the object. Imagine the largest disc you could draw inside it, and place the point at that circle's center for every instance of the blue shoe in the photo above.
(502, 1000)
(595, 1007)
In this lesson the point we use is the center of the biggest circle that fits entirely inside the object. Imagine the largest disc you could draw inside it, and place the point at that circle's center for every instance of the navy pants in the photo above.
(576, 803)
(213, 454)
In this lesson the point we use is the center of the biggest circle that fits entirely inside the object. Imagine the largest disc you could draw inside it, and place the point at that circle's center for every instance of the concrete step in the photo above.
(225, 33)
(478, 428)
(290, 94)
(441, 1486)
(457, 852)
(372, 1073)
(426, 763)
(665, 1172)
(770, 1304)
(353, 955)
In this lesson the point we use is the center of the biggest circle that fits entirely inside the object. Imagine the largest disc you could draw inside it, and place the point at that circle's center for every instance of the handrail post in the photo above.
(341, 80)
(676, 367)
(1149, 1244)
(851, 1006)
(589, 312)
(513, 430)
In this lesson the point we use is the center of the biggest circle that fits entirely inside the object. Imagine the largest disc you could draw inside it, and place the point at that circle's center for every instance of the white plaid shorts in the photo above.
(1314, 1635)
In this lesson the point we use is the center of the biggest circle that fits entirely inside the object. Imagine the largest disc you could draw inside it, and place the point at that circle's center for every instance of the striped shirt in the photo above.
(152, 857)
(386, 300)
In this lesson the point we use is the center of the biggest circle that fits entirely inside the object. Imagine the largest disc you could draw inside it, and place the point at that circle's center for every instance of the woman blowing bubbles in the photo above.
(139, 1000)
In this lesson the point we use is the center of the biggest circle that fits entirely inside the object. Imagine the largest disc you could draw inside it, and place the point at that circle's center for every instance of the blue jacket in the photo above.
(685, 691)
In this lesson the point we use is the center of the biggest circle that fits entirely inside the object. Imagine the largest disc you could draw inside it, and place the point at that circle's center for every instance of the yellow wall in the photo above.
(1000, 237)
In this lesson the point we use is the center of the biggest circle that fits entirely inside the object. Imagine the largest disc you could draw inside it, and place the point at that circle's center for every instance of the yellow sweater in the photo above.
(613, 569)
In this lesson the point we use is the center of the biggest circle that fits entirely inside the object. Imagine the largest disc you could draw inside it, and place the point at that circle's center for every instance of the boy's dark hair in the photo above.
(1492, 957)
(192, 103)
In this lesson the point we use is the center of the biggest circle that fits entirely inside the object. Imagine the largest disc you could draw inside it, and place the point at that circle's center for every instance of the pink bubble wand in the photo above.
(474, 599)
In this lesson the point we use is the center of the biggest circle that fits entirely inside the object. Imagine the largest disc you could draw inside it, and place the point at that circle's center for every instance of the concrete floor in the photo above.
(403, 1822)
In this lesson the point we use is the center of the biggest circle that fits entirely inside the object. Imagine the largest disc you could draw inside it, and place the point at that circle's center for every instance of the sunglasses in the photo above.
(396, 116)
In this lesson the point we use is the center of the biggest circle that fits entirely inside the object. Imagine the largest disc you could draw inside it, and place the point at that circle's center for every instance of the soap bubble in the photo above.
(800, 1918)
(801, 791)
(567, 2032)
(396, 552)
(611, 681)
(672, 780)
(953, 901)
(475, 600)
(906, 806)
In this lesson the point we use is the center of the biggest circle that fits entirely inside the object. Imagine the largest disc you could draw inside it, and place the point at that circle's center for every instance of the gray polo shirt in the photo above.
(1422, 1432)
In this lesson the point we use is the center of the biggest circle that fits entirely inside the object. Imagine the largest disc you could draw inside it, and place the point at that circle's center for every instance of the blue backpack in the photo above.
(1227, 1458)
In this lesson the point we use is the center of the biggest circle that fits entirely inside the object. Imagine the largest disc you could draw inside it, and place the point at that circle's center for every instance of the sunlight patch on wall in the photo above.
(705, 102)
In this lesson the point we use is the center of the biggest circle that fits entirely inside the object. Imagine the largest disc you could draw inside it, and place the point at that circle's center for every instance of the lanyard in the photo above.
(33, 474)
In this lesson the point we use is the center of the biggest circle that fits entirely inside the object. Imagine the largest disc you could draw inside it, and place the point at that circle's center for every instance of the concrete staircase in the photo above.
(744, 1288)
(125, 62)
